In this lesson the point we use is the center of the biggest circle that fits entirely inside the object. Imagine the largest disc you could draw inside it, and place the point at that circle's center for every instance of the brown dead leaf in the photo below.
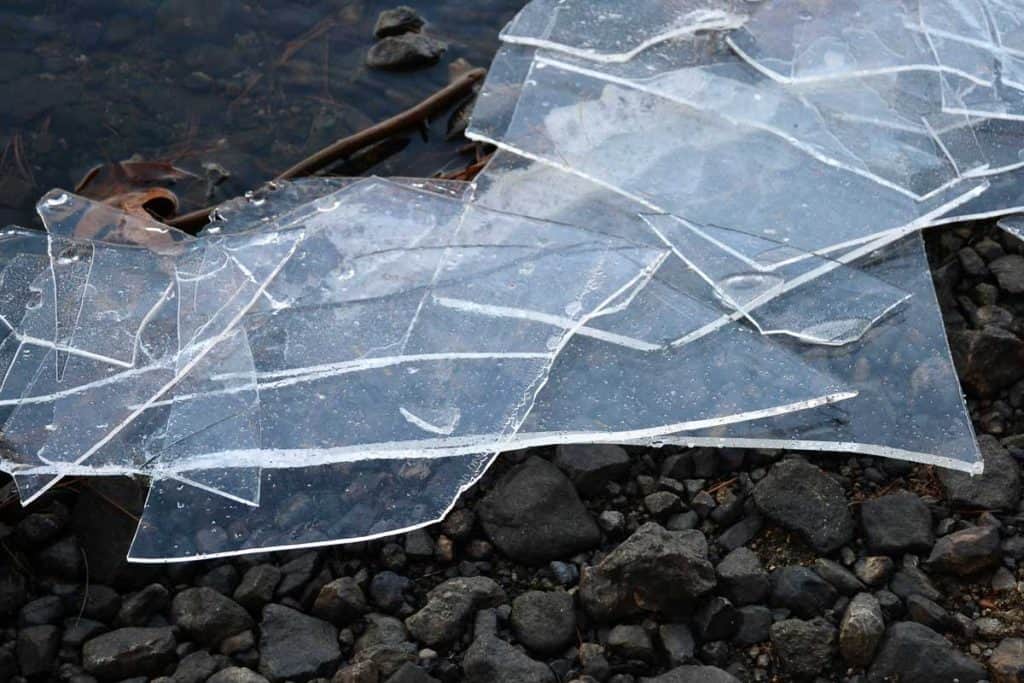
(124, 177)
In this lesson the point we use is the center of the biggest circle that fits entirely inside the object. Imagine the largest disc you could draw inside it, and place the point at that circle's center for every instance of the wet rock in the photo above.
(37, 648)
(801, 591)
(207, 616)
(912, 653)
(896, 524)
(677, 641)
(966, 552)
(236, 674)
(340, 602)
(741, 577)
(861, 630)
(1009, 272)
(910, 580)
(802, 498)
(407, 51)
(410, 673)
(62, 559)
(492, 660)
(419, 545)
(450, 606)
(652, 570)
(257, 586)
(591, 467)
(137, 608)
(294, 646)
(1007, 661)
(997, 488)
(129, 652)
(40, 528)
(987, 360)
(805, 648)
(534, 515)
(544, 621)
(754, 622)
(297, 573)
(661, 504)
(693, 674)
(394, 22)
(77, 631)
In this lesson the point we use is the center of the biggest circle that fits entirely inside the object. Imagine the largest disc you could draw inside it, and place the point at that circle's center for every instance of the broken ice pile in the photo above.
(701, 227)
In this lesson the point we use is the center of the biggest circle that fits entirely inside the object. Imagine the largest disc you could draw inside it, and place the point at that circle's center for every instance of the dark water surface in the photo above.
(251, 86)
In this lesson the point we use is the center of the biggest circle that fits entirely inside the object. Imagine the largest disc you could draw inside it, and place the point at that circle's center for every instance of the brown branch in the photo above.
(413, 116)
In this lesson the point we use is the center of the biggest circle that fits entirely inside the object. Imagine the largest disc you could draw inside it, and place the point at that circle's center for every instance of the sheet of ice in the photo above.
(1013, 225)
(631, 142)
(910, 408)
(617, 30)
(67, 215)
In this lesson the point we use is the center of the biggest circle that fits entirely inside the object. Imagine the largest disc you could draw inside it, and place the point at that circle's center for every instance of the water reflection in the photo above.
(250, 87)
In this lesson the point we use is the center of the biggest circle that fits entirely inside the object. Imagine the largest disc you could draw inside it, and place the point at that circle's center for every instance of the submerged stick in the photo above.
(413, 116)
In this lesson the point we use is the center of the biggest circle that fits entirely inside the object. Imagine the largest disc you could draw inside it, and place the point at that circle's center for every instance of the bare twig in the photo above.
(409, 118)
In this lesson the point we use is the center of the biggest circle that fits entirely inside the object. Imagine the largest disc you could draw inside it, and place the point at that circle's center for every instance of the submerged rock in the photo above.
(393, 22)
(407, 51)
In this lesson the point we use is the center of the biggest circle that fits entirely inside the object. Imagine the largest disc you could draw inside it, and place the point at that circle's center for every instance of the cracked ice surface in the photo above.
(701, 228)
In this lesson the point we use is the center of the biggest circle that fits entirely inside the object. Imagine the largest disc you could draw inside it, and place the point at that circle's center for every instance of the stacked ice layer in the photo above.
(701, 227)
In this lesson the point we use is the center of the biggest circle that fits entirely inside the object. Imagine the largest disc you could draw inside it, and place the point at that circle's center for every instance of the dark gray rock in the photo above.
(841, 578)
(394, 22)
(997, 488)
(492, 660)
(652, 570)
(716, 619)
(197, 667)
(912, 653)
(207, 616)
(801, 591)
(987, 360)
(77, 631)
(450, 608)
(910, 580)
(137, 608)
(39, 528)
(754, 622)
(296, 573)
(661, 504)
(236, 674)
(42, 611)
(387, 590)
(410, 673)
(544, 621)
(805, 648)
(1009, 272)
(592, 467)
(802, 498)
(693, 674)
(12, 590)
(534, 515)
(37, 648)
(677, 641)
(419, 545)
(741, 578)
(296, 647)
(927, 612)
(257, 586)
(62, 559)
(966, 552)
(861, 630)
(340, 602)
(407, 51)
(129, 652)
(742, 532)
(98, 602)
(630, 641)
(384, 644)
(896, 524)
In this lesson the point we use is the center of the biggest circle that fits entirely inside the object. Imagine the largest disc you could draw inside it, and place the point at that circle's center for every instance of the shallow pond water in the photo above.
(252, 87)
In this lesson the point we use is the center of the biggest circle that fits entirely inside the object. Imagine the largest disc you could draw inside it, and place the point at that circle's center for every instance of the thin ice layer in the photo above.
(910, 405)
(616, 30)
(910, 408)
(71, 216)
(1013, 225)
(631, 142)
